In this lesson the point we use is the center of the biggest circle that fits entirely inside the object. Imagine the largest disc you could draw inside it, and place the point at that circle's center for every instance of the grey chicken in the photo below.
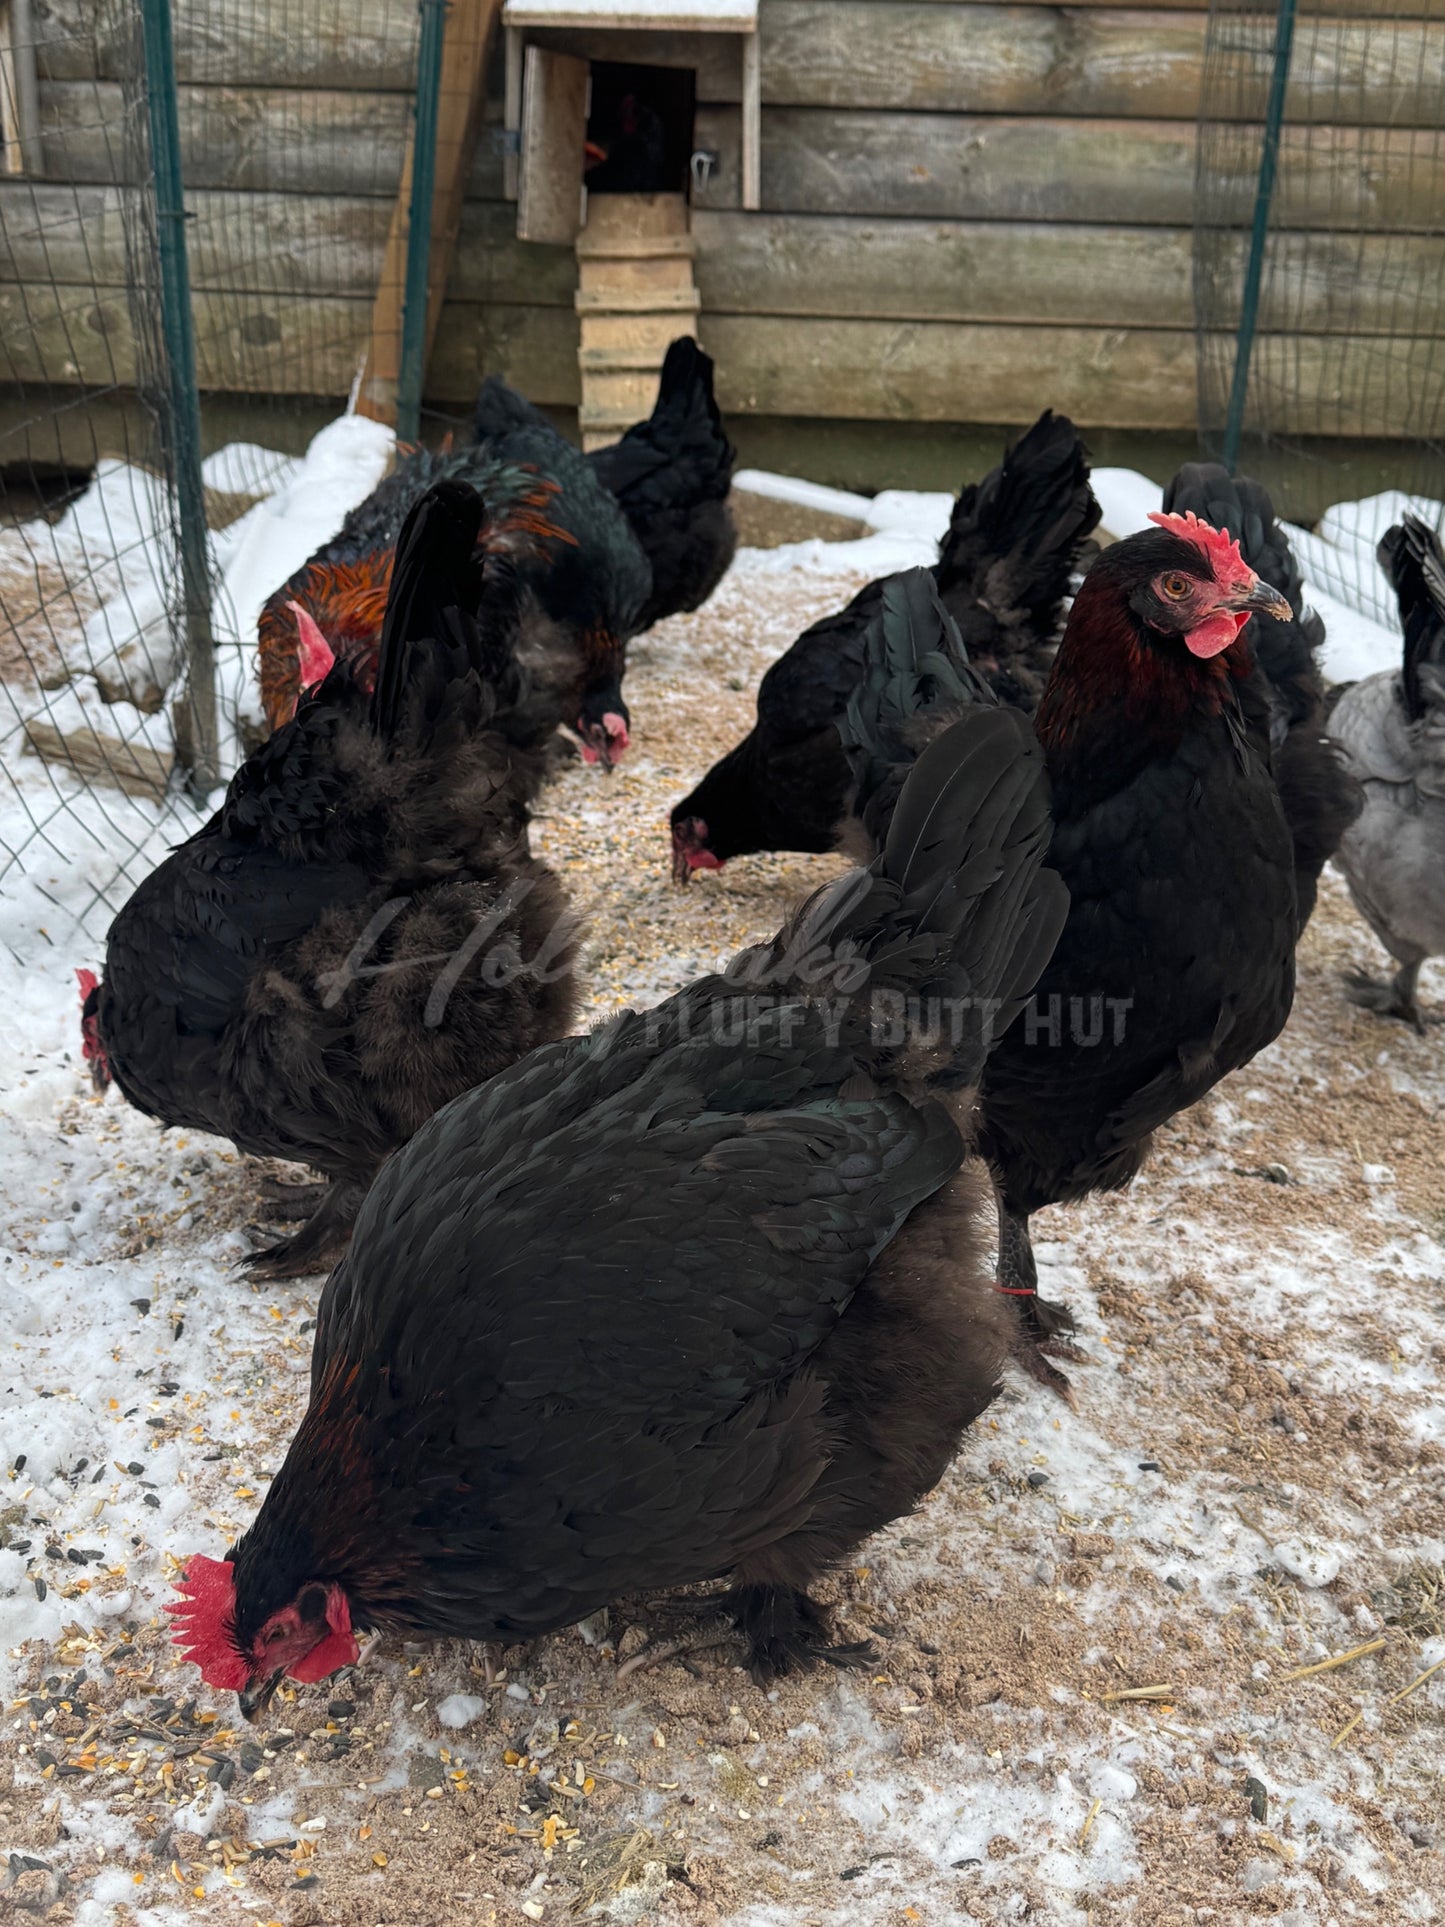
(1393, 726)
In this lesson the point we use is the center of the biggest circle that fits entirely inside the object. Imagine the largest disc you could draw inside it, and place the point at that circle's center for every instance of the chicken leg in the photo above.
(1398, 998)
(318, 1244)
(1042, 1326)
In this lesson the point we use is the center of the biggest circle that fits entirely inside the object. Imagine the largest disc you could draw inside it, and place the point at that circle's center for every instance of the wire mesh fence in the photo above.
(1345, 395)
(293, 120)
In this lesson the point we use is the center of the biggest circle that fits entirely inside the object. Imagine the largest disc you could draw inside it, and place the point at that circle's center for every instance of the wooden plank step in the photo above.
(633, 247)
(620, 361)
(611, 421)
(617, 401)
(645, 334)
(635, 277)
(638, 301)
(635, 215)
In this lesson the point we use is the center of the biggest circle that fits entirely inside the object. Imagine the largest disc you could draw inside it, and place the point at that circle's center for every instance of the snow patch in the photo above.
(460, 1709)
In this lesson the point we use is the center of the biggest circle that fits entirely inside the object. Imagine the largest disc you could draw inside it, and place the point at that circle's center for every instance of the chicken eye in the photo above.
(1175, 586)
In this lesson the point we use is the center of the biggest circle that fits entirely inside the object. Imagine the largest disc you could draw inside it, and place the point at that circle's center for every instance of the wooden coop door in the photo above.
(553, 147)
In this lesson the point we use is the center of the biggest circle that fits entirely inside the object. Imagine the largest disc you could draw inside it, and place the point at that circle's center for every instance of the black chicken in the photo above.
(671, 475)
(1321, 798)
(1176, 964)
(700, 1294)
(1003, 572)
(360, 932)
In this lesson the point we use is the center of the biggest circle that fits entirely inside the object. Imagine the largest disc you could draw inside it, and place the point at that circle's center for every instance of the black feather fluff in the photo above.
(274, 981)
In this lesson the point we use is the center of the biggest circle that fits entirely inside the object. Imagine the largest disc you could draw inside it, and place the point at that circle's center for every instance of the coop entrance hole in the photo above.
(640, 128)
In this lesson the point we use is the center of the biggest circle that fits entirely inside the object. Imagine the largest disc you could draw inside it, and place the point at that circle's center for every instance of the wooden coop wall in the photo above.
(969, 210)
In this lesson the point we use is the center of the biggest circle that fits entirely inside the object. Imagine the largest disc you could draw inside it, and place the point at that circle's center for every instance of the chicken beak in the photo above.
(1263, 600)
(256, 1697)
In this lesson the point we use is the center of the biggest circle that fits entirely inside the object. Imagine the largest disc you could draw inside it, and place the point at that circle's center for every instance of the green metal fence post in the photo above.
(1263, 195)
(412, 369)
(195, 718)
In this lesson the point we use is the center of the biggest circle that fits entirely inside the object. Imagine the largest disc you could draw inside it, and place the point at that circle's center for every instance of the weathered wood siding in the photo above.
(969, 210)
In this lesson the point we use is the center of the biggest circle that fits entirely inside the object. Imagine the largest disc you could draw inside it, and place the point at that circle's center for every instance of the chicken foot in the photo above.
(319, 1243)
(286, 1202)
(781, 1628)
(717, 1631)
(1398, 998)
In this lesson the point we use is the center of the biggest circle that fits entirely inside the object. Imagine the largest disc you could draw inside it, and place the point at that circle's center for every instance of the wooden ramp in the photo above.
(635, 295)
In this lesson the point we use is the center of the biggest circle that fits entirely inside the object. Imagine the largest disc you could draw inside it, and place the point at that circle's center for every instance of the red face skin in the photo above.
(91, 1047)
(606, 742)
(1212, 614)
(689, 849)
(1118, 643)
(315, 655)
(308, 1640)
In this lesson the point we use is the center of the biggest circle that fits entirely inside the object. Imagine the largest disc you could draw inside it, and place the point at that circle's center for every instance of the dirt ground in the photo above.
(1103, 1687)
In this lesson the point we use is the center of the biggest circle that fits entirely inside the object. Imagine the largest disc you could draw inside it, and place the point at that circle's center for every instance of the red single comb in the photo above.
(1222, 549)
(316, 653)
(88, 982)
(199, 1622)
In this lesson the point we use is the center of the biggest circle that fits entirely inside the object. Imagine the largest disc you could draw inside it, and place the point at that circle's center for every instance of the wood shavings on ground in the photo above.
(1249, 1495)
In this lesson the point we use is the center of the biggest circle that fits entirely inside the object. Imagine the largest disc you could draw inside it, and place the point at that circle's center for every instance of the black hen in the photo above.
(1002, 573)
(671, 474)
(700, 1295)
(360, 932)
(1285, 695)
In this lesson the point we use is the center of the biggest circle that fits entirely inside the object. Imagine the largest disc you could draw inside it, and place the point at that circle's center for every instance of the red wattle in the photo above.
(1215, 634)
(338, 1649)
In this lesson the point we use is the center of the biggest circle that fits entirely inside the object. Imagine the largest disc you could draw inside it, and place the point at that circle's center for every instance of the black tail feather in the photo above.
(671, 475)
(1015, 538)
(1411, 556)
(680, 456)
(451, 622)
(916, 676)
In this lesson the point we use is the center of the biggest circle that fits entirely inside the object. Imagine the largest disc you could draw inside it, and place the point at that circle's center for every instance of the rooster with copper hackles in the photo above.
(604, 545)
(700, 1295)
(316, 970)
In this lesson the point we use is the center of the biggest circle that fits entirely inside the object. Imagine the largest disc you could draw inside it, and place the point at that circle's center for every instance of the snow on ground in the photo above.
(91, 596)
(1092, 1696)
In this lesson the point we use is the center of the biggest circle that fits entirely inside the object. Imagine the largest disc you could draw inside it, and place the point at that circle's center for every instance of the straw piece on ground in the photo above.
(1139, 1693)
(1337, 1659)
(1093, 1813)
(1419, 1680)
(1346, 1730)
